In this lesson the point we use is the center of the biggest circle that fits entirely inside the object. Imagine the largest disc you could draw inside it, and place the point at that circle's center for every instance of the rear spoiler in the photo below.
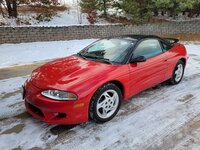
(172, 40)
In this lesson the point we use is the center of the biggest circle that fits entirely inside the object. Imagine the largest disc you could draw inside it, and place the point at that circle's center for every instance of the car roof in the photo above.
(138, 37)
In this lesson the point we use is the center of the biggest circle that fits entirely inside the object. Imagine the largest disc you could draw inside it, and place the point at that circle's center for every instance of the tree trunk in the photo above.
(2, 11)
(9, 8)
(104, 8)
(12, 8)
(155, 12)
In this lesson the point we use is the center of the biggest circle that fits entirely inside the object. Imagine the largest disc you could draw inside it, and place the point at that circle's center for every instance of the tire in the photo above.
(105, 103)
(177, 73)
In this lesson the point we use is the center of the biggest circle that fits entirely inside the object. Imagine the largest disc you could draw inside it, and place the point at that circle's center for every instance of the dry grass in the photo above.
(40, 9)
(185, 37)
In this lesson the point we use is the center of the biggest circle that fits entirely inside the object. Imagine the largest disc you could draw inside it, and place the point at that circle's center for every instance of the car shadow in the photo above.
(58, 129)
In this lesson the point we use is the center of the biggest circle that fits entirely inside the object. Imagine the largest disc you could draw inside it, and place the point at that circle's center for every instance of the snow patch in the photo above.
(27, 53)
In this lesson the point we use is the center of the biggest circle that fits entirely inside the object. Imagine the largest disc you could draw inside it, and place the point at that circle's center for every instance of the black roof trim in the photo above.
(136, 37)
(172, 40)
(140, 36)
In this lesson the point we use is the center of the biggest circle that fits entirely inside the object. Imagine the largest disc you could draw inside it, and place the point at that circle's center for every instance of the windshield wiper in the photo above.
(96, 58)
(105, 60)
(81, 55)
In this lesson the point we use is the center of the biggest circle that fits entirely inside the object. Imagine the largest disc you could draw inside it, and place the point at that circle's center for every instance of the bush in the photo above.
(45, 17)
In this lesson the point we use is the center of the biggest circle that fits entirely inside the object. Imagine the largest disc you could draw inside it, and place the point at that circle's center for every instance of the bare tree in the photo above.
(1, 9)
(12, 8)
(79, 13)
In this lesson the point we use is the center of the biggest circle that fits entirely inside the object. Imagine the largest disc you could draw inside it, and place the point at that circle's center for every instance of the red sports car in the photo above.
(92, 83)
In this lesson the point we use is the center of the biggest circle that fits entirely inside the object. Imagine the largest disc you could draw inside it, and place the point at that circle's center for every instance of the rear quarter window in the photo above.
(166, 47)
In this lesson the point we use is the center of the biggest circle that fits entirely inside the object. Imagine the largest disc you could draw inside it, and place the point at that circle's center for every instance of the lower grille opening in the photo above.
(36, 110)
(60, 115)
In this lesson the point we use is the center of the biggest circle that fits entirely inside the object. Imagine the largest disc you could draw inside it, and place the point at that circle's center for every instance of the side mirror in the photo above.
(136, 59)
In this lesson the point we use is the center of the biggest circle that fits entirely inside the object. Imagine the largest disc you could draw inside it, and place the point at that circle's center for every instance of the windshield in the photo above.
(112, 50)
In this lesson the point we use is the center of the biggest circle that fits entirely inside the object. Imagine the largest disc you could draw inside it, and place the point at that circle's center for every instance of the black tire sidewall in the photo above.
(93, 105)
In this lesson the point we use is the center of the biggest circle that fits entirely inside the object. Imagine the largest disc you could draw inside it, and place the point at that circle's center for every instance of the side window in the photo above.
(148, 48)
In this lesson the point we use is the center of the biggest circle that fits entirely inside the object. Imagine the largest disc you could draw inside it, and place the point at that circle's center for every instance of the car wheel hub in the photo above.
(179, 72)
(107, 104)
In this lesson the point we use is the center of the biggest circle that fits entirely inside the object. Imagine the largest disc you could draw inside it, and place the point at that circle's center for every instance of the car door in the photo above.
(146, 74)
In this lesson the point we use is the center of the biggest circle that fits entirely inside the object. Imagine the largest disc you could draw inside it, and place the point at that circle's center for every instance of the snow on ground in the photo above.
(26, 53)
(66, 18)
(163, 117)
(71, 17)
(68, 2)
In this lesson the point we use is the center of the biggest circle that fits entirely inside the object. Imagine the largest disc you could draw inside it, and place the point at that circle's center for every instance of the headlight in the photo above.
(59, 95)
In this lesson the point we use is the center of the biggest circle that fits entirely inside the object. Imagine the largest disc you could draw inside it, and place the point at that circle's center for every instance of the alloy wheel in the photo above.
(107, 104)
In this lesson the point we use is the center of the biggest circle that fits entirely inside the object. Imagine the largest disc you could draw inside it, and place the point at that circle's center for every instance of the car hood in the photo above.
(68, 72)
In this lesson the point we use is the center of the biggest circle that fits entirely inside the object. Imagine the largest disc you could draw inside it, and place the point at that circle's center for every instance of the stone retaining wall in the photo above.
(33, 34)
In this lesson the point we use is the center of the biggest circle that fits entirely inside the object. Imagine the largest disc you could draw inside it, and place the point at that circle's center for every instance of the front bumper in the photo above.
(52, 111)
